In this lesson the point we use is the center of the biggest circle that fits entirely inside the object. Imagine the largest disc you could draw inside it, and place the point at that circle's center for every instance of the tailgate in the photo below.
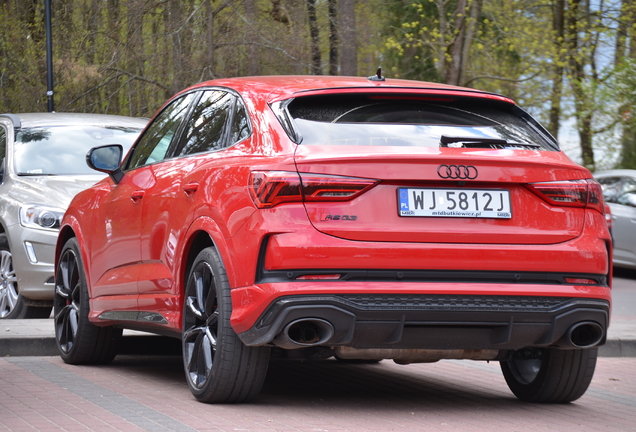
(477, 180)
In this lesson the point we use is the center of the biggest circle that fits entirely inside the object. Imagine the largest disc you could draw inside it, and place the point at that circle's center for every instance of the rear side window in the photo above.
(412, 120)
(240, 124)
(207, 127)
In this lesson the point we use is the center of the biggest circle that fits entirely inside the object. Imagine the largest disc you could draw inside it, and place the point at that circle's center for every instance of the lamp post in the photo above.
(49, 56)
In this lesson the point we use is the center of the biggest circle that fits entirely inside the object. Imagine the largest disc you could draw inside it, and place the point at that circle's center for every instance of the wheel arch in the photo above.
(204, 232)
(71, 229)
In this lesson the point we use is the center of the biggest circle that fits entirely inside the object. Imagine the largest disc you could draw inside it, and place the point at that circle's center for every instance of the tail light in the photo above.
(571, 193)
(270, 188)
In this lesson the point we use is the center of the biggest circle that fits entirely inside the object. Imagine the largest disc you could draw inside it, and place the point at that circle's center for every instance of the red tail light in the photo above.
(572, 193)
(270, 188)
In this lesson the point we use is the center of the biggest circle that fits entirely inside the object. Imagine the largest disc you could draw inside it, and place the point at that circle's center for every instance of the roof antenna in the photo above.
(378, 75)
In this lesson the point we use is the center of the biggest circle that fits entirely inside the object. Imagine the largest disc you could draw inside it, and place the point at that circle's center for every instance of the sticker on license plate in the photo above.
(468, 203)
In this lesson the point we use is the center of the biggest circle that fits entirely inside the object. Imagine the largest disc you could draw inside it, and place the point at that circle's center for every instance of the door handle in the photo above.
(137, 195)
(190, 188)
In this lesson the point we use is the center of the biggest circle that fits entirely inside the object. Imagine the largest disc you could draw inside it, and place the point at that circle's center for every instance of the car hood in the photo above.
(53, 191)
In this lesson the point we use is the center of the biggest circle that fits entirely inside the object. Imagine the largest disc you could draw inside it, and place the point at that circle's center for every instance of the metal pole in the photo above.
(49, 56)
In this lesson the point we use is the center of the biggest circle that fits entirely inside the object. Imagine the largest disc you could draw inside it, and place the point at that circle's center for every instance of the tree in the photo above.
(347, 35)
(316, 62)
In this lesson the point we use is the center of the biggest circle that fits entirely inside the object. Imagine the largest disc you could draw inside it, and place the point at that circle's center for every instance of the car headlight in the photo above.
(33, 216)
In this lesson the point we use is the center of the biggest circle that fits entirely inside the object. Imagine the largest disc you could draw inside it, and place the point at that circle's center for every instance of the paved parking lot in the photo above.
(149, 393)
(138, 393)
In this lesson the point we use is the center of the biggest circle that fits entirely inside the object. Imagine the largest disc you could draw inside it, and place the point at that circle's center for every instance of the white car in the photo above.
(42, 167)
(619, 191)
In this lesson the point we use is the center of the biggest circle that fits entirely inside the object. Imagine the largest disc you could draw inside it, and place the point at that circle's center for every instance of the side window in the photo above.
(207, 128)
(610, 187)
(240, 124)
(153, 145)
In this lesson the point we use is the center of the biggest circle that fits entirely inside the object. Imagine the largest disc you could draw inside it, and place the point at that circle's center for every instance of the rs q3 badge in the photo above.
(330, 217)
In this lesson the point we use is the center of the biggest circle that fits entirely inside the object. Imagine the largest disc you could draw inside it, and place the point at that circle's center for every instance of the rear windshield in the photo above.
(372, 120)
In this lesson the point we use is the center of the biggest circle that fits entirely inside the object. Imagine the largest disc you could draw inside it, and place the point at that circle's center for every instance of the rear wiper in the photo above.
(34, 174)
(473, 142)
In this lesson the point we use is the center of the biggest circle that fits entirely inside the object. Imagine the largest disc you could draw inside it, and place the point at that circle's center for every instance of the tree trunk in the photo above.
(315, 40)
(456, 47)
(622, 32)
(577, 64)
(627, 20)
(558, 15)
(333, 38)
(475, 12)
(348, 46)
(253, 65)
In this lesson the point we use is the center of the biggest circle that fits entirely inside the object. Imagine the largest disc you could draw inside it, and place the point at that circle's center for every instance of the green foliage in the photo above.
(407, 30)
(617, 116)
(128, 56)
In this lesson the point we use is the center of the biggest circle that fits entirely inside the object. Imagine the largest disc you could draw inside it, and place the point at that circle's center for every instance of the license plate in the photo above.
(468, 203)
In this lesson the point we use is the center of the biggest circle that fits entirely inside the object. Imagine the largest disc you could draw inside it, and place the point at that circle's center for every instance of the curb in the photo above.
(130, 345)
(618, 348)
(163, 345)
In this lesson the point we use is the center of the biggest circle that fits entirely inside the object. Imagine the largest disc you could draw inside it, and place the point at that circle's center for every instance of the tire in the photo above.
(12, 304)
(550, 375)
(78, 340)
(219, 368)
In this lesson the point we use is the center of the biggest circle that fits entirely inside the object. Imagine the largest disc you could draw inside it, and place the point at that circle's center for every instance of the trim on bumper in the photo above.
(433, 321)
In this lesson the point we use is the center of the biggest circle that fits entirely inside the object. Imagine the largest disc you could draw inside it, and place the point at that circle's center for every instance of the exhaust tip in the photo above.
(585, 334)
(305, 332)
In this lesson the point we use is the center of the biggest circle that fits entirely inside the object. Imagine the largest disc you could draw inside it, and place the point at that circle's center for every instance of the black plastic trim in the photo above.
(434, 321)
(451, 276)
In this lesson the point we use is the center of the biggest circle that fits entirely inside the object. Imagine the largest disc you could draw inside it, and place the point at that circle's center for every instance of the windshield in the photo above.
(407, 121)
(61, 150)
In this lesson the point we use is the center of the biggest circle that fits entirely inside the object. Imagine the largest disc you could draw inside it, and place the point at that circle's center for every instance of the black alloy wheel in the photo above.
(219, 368)
(78, 340)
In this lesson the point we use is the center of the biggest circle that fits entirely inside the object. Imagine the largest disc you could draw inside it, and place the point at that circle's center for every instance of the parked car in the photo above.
(619, 191)
(42, 166)
(320, 217)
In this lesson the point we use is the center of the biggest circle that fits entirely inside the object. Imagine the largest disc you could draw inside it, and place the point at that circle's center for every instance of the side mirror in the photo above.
(106, 159)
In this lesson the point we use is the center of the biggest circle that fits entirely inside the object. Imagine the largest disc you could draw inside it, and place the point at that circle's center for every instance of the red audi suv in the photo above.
(334, 217)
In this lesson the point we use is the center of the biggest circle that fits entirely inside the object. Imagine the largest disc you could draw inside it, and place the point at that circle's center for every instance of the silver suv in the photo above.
(42, 166)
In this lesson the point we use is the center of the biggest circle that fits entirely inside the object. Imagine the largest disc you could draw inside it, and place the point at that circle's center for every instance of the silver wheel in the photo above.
(8, 284)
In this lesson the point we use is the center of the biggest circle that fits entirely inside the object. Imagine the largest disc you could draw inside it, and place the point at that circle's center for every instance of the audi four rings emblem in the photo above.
(457, 172)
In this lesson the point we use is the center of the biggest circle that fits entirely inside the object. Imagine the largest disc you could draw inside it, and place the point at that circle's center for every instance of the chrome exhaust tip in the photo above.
(585, 334)
(305, 332)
